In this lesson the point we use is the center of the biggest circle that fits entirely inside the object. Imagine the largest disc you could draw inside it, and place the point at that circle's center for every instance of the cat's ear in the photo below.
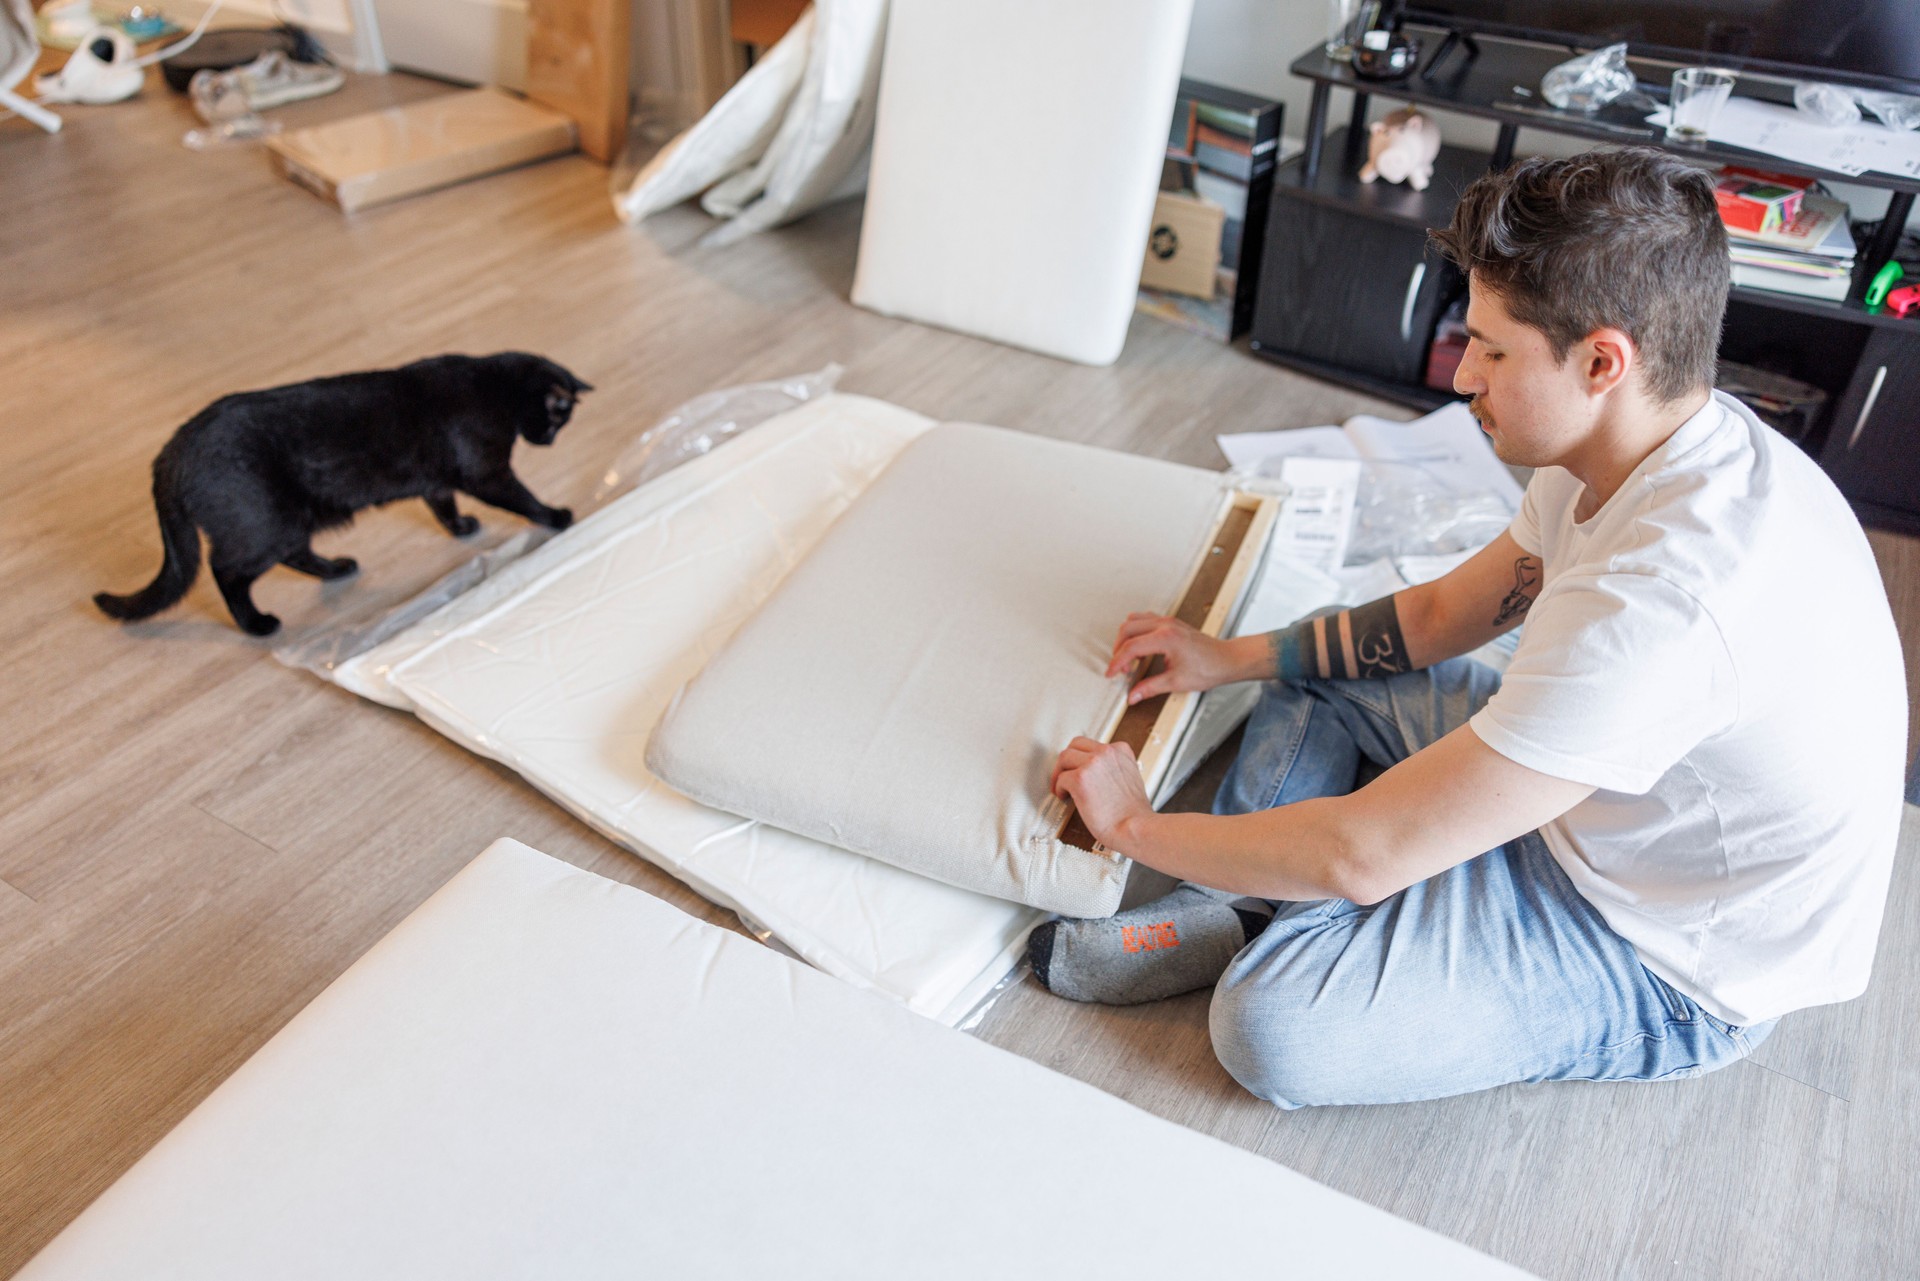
(566, 378)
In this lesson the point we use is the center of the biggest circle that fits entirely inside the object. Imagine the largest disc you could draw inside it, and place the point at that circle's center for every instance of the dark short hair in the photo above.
(1628, 239)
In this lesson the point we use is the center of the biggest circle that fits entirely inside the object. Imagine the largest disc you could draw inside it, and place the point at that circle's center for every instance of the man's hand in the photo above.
(1194, 660)
(1103, 782)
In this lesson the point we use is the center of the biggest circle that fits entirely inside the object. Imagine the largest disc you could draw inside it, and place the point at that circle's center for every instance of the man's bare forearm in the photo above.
(1295, 852)
(1364, 641)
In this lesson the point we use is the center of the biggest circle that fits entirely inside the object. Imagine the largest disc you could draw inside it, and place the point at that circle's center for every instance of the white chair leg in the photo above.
(31, 110)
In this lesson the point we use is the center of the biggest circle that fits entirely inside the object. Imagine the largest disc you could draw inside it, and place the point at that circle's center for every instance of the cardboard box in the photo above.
(387, 155)
(1183, 250)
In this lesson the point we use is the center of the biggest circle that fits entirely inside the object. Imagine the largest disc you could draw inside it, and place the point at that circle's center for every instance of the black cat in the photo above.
(263, 471)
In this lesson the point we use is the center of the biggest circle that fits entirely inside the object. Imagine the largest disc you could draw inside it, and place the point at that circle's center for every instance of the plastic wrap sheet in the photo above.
(559, 665)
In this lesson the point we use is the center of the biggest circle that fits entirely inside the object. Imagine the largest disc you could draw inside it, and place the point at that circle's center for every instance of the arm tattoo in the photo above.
(1378, 648)
(1526, 582)
(1363, 641)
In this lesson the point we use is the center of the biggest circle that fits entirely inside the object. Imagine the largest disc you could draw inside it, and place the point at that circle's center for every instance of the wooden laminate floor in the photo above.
(195, 839)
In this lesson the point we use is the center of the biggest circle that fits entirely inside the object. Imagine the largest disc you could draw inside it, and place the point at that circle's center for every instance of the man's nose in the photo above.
(1467, 379)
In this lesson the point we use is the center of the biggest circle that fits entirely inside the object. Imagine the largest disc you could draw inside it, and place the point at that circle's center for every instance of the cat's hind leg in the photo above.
(236, 588)
(307, 561)
(444, 511)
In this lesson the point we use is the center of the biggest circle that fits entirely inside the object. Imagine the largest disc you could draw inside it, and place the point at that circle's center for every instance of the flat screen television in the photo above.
(1875, 43)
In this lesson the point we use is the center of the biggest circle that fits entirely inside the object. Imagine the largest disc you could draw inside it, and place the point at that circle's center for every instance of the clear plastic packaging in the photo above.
(1829, 104)
(1589, 82)
(1402, 510)
(221, 99)
(1895, 110)
(695, 428)
(981, 1008)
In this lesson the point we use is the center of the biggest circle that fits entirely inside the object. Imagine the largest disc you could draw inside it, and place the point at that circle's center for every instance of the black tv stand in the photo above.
(1455, 39)
(1350, 292)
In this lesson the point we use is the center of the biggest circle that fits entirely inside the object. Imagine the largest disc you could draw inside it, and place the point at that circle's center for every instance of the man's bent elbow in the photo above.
(1359, 887)
(1351, 875)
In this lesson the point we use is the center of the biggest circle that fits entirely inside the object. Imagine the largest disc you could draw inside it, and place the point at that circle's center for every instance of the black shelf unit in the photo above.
(1868, 361)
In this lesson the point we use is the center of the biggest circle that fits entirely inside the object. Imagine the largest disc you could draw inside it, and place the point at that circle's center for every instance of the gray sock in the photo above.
(1174, 944)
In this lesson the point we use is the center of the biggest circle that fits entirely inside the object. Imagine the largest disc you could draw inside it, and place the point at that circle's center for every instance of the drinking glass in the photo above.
(1340, 23)
(1698, 95)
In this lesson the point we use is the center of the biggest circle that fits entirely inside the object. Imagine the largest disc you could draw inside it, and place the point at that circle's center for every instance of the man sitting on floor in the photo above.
(1672, 822)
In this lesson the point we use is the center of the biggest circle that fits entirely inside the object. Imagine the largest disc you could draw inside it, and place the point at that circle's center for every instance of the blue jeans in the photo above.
(1495, 970)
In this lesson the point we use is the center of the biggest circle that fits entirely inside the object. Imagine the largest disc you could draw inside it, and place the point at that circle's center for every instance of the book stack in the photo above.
(1810, 252)
(1222, 148)
(1757, 202)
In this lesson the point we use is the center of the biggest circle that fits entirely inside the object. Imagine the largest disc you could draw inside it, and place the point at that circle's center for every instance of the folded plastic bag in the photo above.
(1896, 110)
(1829, 104)
(1589, 82)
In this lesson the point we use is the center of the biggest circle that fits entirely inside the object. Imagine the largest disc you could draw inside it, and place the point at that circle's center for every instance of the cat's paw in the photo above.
(559, 517)
(261, 625)
(464, 527)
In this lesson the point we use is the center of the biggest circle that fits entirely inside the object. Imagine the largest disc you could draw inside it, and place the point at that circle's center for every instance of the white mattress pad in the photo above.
(543, 1074)
(559, 666)
(1016, 161)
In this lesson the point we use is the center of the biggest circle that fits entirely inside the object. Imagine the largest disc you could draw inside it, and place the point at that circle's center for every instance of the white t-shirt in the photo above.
(1714, 651)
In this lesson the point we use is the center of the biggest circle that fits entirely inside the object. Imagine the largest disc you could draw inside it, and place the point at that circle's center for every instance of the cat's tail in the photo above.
(181, 539)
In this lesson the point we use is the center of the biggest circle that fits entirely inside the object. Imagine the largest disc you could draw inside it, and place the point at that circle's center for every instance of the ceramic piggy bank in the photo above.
(1401, 148)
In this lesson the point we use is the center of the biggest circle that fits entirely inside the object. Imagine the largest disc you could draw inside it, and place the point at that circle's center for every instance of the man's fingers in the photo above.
(1145, 645)
(1136, 625)
(1162, 683)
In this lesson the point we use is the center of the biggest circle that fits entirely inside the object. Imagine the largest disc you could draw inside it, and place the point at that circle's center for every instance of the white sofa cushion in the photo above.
(904, 692)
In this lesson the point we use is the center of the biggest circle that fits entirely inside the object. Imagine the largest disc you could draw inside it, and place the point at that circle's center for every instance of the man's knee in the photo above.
(1289, 1053)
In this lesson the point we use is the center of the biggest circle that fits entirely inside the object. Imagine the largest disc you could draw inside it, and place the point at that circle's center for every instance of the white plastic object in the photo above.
(1895, 110)
(101, 70)
(1016, 161)
(19, 50)
(1590, 81)
(1829, 104)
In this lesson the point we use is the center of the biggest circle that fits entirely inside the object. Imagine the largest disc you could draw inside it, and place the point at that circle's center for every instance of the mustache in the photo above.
(1479, 410)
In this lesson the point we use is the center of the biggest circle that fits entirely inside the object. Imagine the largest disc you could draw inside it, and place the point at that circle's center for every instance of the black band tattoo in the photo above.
(1378, 647)
(1526, 581)
(1315, 647)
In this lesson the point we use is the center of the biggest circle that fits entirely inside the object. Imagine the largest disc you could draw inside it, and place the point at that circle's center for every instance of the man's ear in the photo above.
(1608, 358)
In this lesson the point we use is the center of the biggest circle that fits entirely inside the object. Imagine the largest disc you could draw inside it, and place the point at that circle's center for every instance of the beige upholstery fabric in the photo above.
(905, 691)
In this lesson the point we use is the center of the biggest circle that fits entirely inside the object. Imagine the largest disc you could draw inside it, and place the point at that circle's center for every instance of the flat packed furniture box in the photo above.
(905, 691)
(402, 151)
(544, 1074)
(1016, 157)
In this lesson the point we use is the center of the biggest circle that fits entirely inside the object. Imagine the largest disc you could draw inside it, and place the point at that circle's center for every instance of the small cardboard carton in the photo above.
(1183, 250)
(387, 155)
